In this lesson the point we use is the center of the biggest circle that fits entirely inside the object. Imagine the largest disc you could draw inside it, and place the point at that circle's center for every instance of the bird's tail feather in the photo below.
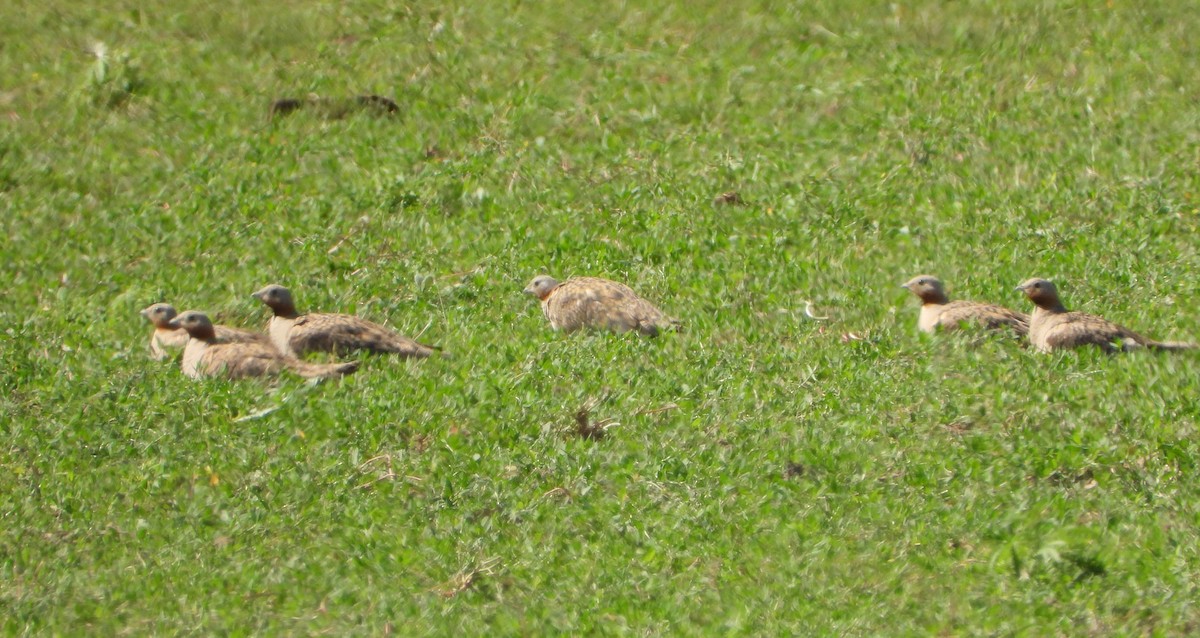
(323, 370)
(1173, 346)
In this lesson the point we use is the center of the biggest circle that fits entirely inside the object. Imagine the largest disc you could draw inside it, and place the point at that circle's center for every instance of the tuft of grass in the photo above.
(588, 428)
(113, 79)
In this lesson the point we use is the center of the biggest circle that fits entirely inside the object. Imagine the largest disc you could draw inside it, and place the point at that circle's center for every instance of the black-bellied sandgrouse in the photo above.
(601, 304)
(938, 312)
(296, 334)
(1053, 327)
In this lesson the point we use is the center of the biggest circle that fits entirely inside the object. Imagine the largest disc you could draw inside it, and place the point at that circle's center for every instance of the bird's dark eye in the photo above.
(1037, 285)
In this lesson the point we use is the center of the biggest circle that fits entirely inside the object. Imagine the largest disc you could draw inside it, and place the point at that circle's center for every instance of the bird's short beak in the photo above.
(145, 312)
(174, 323)
(529, 290)
(258, 294)
(906, 285)
(1020, 287)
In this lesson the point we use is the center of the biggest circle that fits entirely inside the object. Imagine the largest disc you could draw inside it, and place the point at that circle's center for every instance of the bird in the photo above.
(937, 311)
(205, 356)
(599, 304)
(295, 334)
(1053, 327)
(165, 337)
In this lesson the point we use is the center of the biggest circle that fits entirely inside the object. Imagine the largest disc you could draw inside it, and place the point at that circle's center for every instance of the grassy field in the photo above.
(764, 472)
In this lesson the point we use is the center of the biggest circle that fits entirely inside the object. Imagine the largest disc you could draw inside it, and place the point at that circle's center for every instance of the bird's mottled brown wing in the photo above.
(988, 315)
(241, 359)
(589, 302)
(226, 334)
(343, 334)
(1078, 329)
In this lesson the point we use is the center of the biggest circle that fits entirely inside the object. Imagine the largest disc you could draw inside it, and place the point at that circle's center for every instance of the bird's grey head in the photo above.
(195, 322)
(275, 296)
(1040, 291)
(541, 286)
(928, 288)
(159, 314)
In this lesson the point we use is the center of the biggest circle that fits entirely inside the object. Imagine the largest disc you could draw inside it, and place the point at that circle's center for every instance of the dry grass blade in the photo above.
(389, 474)
(464, 579)
(811, 313)
(667, 407)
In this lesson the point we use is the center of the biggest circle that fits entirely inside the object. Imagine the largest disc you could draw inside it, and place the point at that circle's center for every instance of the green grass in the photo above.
(764, 476)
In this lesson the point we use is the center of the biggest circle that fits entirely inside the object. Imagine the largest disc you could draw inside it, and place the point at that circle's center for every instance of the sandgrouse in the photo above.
(204, 356)
(295, 334)
(938, 312)
(591, 302)
(165, 337)
(1053, 327)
